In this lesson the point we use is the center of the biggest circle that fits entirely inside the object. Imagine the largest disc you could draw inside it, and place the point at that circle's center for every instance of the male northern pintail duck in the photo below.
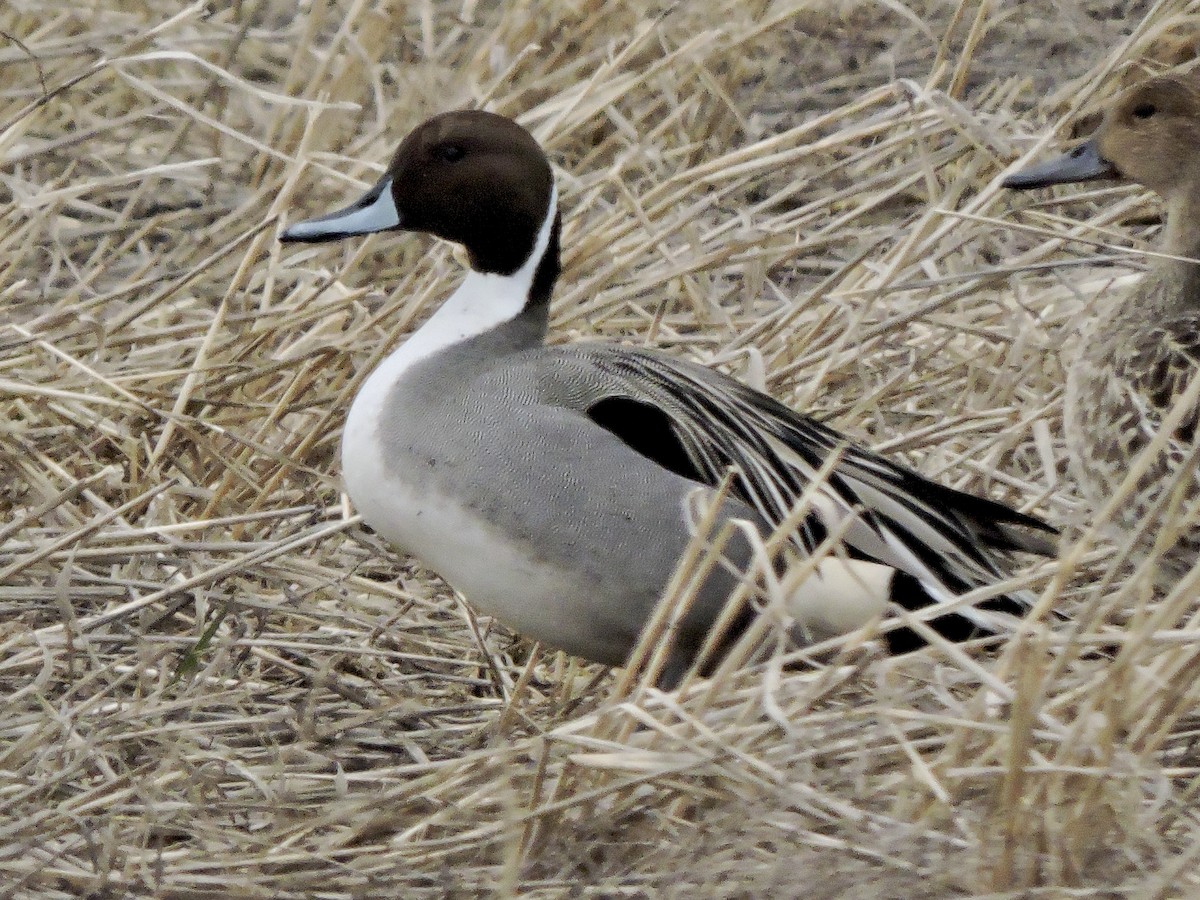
(552, 485)
(1139, 355)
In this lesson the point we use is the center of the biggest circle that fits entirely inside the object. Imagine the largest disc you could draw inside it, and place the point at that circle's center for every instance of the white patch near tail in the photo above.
(894, 553)
(838, 596)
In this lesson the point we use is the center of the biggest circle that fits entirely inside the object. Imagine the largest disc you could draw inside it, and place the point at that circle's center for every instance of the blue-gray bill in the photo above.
(1084, 163)
(373, 211)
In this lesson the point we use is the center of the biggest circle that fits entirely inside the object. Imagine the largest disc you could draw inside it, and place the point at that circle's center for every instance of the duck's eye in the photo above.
(1144, 110)
(449, 152)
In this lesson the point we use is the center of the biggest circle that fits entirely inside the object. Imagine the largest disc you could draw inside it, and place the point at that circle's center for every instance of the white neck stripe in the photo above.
(483, 301)
(529, 267)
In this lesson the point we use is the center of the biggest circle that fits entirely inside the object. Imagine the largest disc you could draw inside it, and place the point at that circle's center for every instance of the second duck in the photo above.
(1140, 354)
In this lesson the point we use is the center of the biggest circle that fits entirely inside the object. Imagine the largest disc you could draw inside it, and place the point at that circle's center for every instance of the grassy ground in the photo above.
(216, 684)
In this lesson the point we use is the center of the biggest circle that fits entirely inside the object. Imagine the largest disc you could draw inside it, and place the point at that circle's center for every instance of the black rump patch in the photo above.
(956, 628)
(646, 429)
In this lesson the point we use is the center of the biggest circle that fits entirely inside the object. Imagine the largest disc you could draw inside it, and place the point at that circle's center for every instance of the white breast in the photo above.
(482, 302)
(499, 577)
(400, 508)
(431, 522)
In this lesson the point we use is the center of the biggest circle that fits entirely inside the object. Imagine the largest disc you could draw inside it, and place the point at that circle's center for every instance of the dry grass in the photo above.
(215, 684)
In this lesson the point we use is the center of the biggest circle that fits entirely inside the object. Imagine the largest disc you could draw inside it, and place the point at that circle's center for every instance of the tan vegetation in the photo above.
(214, 683)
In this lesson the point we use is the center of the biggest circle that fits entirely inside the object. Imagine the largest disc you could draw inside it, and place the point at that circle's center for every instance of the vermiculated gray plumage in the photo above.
(552, 485)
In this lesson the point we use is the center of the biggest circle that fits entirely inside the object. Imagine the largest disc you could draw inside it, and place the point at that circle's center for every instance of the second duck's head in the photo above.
(1150, 134)
(471, 177)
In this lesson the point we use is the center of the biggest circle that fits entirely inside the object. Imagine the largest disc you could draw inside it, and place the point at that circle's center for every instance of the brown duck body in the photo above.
(1140, 355)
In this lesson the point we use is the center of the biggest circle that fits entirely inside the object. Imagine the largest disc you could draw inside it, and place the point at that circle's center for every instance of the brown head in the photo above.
(471, 177)
(1150, 134)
